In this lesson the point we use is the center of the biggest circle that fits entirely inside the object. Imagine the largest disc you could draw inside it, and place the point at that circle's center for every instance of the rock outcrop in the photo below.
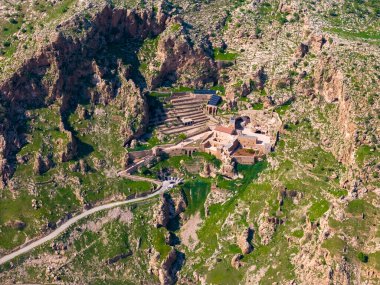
(167, 272)
(244, 241)
(267, 227)
(82, 63)
(236, 261)
(169, 209)
(181, 61)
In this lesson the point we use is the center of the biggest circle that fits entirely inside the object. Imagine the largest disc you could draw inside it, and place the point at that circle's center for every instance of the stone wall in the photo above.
(247, 160)
(140, 154)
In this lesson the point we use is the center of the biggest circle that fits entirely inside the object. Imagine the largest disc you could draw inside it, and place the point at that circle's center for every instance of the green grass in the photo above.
(258, 106)
(367, 35)
(281, 110)
(223, 55)
(8, 28)
(224, 273)
(298, 233)
(152, 142)
(357, 206)
(334, 245)
(147, 54)
(57, 196)
(159, 94)
(365, 152)
(158, 242)
(196, 191)
(317, 210)
(338, 192)
(374, 259)
(219, 88)
(56, 11)
(175, 27)
(208, 157)
(182, 89)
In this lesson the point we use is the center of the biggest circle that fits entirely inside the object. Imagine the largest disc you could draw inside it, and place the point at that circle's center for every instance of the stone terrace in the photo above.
(168, 120)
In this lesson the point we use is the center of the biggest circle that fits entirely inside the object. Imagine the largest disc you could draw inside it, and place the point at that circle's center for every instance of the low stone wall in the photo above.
(140, 154)
(173, 151)
(180, 151)
(199, 131)
(247, 160)
(145, 162)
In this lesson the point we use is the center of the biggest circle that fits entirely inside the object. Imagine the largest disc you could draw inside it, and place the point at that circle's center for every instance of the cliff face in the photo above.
(94, 61)
(330, 84)
(181, 61)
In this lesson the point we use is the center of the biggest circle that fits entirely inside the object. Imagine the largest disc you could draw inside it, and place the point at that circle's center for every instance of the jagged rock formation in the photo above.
(267, 227)
(180, 61)
(244, 241)
(236, 261)
(167, 272)
(82, 64)
(169, 208)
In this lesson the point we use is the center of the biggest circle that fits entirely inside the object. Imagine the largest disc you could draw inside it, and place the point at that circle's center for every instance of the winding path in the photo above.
(163, 187)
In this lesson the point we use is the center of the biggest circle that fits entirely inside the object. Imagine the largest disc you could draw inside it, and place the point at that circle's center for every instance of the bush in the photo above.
(258, 31)
(182, 136)
(13, 21)
(363, 257)
(282, 85)
(6, 43)
(282, 20)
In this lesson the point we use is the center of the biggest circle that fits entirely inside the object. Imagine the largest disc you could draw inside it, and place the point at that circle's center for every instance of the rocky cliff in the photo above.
(93, 60)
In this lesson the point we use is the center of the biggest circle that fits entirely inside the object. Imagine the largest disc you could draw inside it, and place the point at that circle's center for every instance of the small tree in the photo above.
(363, 257)
(182, 136)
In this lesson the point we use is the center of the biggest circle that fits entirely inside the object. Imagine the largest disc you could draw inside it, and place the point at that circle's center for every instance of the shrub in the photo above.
(283, 20)
(363, 257)
(282, 85)
(182, 136)
(6, 43)
(13, 21)
(296, 17)
(258, 31)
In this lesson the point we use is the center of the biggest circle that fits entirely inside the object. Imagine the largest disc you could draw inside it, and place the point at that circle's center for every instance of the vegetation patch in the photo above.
(223, 55)
(357, 206)
(334, 245)
(365, 152)
(317, 210)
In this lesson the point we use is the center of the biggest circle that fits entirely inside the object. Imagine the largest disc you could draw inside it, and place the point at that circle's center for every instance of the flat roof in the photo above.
(228, 130)
(204, 91)
(248, 136)
(244, 152)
